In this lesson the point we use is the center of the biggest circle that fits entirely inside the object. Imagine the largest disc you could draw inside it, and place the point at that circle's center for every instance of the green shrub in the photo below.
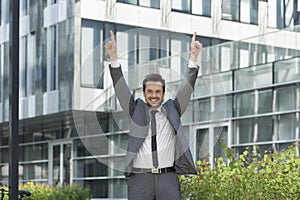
(269, 176)
(46, 192)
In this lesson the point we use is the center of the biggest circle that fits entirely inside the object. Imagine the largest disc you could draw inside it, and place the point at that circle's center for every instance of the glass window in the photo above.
(202, 110)
(89, 168)
(118, 143)
(128, 49)
(150, 3)
(180, 44)
(251, 103)
(99, 188)
(202, 143)
(243, 55)
(220, 139)
(128, 1)
(201, 7)
(4, 155)
(24, 7)
(222, 107)
(33, 152)
(224, 63)
(1, 74)
(230, 10)
(287, 70)
(286, 127)
(254, 54)
(249, 11)
(253, 77)
(265, 99)
(275, 13)
(290, 8)
(31, 64)
(244, 104)
(91, 146)
(187, 116)
(23, 67)
(35, 171)
(1, 17)
(91, 54)
(148, 45)
(119, 188)
(164, 49)
(253, 130)
(106, 188)
(286, 98)
(119, 121)
(181, 5)
(213, 84)
(52, 78)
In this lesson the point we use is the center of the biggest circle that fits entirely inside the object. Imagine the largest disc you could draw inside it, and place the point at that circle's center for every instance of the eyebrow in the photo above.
(154, 90)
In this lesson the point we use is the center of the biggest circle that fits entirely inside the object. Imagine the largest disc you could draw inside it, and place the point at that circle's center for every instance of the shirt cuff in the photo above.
(115, 63)
(192, 64)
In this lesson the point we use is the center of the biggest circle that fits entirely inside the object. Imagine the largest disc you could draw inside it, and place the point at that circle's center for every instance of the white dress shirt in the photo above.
(165, 139)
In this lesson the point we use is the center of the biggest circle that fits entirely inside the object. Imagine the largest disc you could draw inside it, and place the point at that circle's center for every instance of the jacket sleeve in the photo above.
(185, 90)
(122, 90)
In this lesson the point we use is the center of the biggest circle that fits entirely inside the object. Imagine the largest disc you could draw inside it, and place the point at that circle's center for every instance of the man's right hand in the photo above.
(111, 47)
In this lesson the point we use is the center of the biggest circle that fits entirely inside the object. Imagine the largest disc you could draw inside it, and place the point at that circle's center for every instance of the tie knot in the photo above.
(153, 112)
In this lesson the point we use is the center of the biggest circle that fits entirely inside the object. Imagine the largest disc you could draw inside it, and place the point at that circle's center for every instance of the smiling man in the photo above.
(157, 149)
(154, 90)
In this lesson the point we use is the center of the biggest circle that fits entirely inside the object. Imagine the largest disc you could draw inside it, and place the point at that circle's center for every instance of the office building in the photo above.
(72, 129)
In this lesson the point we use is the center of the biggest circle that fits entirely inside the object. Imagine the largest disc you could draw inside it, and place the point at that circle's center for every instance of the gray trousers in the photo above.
(147, 186)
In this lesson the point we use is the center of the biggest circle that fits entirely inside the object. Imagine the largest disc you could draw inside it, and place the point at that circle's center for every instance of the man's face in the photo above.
(154, 94)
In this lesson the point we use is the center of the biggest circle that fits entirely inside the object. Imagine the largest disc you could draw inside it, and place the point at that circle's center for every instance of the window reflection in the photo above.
(231, 10)
(286, 127)
(250, 103)
(253, 77)
(150, 3)
(129, 1)
(52, 58)
(23, 67)
(201, 7)
(253, 130)
(1, 74)
(287, 70)
(249, 11)
(181, 5)
(286, 98)
(91, 51)
(146, 3)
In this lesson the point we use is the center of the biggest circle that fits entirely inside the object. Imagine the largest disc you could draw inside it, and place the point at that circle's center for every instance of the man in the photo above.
(157, 148)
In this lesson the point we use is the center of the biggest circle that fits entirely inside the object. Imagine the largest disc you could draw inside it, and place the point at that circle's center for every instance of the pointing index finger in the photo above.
(112, 36)
(194, 37)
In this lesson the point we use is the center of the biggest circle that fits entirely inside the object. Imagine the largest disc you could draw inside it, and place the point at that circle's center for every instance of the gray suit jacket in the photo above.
(138, 112)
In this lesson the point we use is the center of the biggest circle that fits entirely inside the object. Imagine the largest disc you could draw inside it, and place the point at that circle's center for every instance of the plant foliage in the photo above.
(268, 176)
(46, 192)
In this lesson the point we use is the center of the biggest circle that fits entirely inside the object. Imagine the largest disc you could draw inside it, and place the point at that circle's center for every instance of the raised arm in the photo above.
(187, 86)
(121, 88)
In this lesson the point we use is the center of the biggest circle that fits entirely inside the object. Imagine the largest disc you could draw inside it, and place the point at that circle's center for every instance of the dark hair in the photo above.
(153, 78)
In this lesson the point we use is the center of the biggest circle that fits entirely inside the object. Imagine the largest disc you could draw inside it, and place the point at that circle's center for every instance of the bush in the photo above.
(46, 192)
(269, 176)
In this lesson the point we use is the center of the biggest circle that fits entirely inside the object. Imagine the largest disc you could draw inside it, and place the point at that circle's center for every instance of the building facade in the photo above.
(72, 129)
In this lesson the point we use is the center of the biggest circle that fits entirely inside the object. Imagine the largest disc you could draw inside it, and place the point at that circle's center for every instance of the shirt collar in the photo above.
(161, 109)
